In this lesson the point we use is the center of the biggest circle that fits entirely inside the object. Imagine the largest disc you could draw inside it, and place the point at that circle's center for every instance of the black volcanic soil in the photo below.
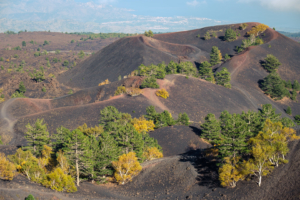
(185, 173)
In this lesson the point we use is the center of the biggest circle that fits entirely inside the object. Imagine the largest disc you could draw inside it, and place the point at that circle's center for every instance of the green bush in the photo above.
(17, 48)
(55, 60)
(18, 94)
(223, 78)
(1, 59)
(46, 42)
(230, 35)
(66, 63)
(30, 197)
(24, 44)
(289, 111)
(149, 82)
(271, 63)
(226, 57)
(44, 89)
(274, 86)
(149, 33)
(16, 56)
(72, 41)
(37, 54)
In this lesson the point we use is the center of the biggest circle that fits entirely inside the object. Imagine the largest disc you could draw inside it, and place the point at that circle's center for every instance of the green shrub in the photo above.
(16, 56)
(120, 90)
(72, 41)
(297, 119)
(38, 49)
(289, 110)
(223, 78)
(2, 67)
(57, 51)
(230, 35)
(274, 86)
(207, 36)
(1, 59)
(66, 63)
(44, 89)
(271, 63)
(24, 44)
(30, 197)
(17, 48)
(149, 82)
(37, 54)
(46, 42)
(226, 57)
(18, 94)
(55, 60)
(149, 33)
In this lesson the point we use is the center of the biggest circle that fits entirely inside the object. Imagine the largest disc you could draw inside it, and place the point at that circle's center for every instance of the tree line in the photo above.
(112, 150)
(248, 144)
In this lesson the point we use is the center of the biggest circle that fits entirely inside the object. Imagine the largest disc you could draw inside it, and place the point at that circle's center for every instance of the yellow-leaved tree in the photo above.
(126, 168)
(162, 93)
(7, 169)
(120, 90)
(230, 172)
(258, 29)
(259, 166)
(62, 161)
(59, 181)
(152, 153)
(142, 125)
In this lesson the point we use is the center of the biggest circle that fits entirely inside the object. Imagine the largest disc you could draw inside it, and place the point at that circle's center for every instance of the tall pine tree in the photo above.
(37, 136)
(211, 129)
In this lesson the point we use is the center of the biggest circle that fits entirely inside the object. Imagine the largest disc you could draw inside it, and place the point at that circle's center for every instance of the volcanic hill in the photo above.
(184, 173)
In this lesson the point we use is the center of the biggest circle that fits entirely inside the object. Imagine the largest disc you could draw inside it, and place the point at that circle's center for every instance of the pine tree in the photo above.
(223, 78)
(296, 85)
(61, 138)
(268, 112)
(289, 84)
(287, 122)
(109, 151)
(230, 35)
(205, 72)
(234, 134)
(274, 86)
(37, 136)
(253, 120)
(207, 36)
(226, 57)
(90, 156)
(294, 95)
(30, 197)
(289, 110)
(171, 68)
(74, 151)
(22, 88)
(211, 129)
(183, 119)
(271, 63)
(215, 56)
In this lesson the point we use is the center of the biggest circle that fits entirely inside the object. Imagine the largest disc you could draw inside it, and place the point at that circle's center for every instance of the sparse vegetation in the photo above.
(66, 63)
(223, 78)
(207, 36)
(149, 33)
(258, 29)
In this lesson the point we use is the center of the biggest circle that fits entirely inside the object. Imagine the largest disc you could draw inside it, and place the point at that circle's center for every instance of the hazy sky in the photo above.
(139, 15)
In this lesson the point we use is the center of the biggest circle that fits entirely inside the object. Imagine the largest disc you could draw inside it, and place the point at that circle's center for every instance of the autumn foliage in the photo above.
(152, 153)
(7, 169)
(104, 82)
(126, 168)
(142, 125)
(258, 29)
(162, 93)
(133, 91)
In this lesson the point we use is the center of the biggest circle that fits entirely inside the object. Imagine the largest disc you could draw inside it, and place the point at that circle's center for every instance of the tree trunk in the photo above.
(77, 172)
(259, 180)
